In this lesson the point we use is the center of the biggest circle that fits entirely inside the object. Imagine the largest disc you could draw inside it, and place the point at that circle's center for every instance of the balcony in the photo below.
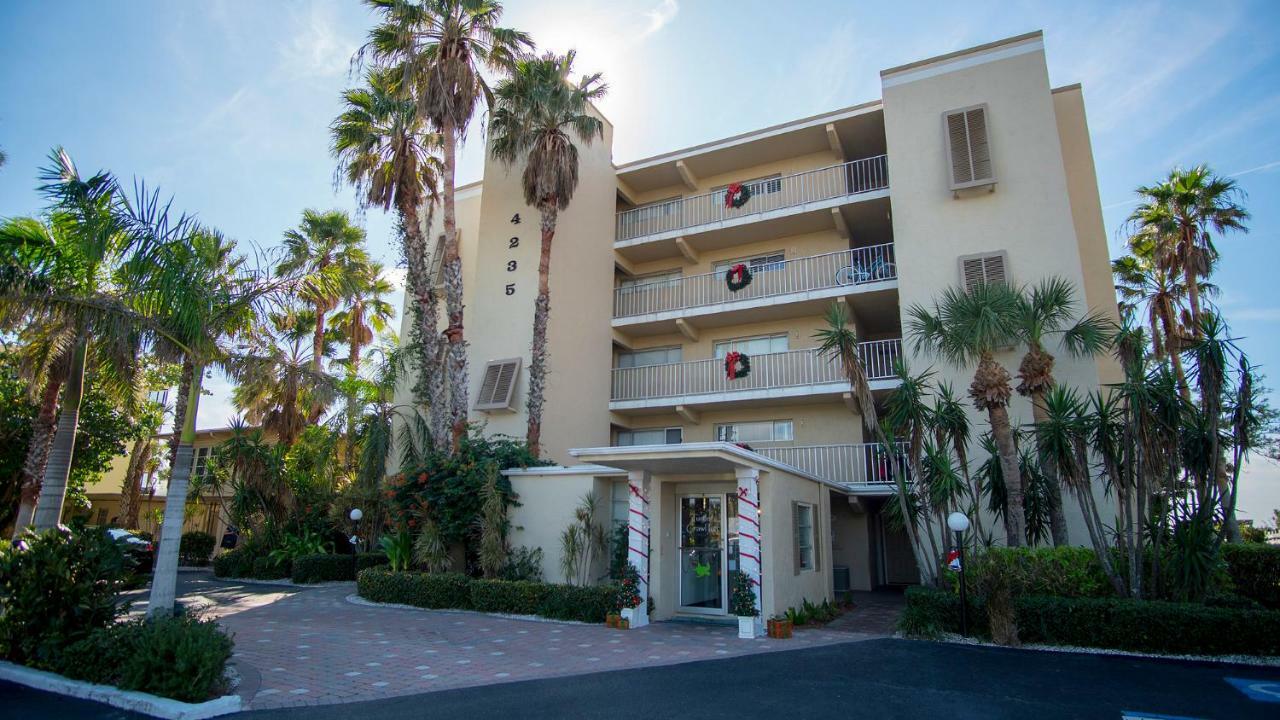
(771, 197)
(801, 280)
(863, 466)
(791, 374)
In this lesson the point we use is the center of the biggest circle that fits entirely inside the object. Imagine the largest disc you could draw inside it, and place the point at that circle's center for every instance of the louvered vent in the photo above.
(983, 269)
(499, 384)
(969, 148)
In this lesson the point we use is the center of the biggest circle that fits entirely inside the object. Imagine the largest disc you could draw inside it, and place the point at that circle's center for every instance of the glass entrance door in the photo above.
(703, 587)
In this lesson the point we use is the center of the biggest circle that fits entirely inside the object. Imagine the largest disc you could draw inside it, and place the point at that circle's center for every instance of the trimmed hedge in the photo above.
(237, 563)
(323, 568)
(195, 548)
(1255, 571)
(459, 592)
(369, 559)
(1140, 625)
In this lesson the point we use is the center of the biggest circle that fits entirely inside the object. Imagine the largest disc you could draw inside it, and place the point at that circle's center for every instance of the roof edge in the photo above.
(961, 53)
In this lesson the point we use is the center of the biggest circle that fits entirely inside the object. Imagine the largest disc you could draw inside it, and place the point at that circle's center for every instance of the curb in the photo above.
(285, 583)
(133, 700)
(355, 599)
(1254, 660)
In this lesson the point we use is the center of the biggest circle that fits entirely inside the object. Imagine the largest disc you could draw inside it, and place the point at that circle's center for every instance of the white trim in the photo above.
(588, 469)
(703, 448)
(140, 702)
(834, 388)
(758, 302)
(1030, 45)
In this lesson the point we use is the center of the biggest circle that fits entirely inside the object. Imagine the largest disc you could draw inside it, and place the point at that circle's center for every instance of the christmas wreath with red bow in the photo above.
(737, 277)
(736, 195)
(737, 365)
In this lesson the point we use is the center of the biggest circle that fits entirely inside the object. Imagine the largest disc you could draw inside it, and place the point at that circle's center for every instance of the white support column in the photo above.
(638, 545)
(749, 537)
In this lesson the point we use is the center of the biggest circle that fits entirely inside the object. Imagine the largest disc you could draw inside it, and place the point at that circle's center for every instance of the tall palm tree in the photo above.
(1048, 309)
(838, 342)
(967, 327)
(329, 252)
(538, 108)
(441, 48)
(1179, 214)
(277, 386)
(363, 313)
(951, 427)
(385, 150)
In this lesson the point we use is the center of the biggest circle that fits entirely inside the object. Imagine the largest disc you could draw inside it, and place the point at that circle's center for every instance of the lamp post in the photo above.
(958, 524)
(355, 515)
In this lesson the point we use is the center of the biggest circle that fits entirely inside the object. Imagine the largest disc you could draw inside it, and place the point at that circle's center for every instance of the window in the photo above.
(619, 503)
(651, 356)
(199, 462)
(806, 546)
(761, 345)
(758, 186)
(987, 268)
(968, 147)
(499, 384)
(763, 431)
(760, 263)
(651, 436)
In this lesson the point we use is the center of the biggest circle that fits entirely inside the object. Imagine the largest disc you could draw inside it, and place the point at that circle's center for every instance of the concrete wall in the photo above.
(825, 423)
(547, 506)
(851, 542)
(784, 586)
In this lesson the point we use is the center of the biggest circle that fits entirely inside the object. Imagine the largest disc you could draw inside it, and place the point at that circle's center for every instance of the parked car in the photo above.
(142, 551)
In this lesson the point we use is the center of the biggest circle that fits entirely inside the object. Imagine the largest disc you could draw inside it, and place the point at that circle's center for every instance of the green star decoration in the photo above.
(702, 570)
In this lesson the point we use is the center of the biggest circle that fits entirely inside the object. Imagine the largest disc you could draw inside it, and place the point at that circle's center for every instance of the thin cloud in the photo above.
(660, 16)
(318, 49)
(1260, 168)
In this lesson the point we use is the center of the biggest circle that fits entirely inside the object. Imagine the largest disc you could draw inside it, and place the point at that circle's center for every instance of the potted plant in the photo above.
(742, 602)
(629, 599)
(613, 620)
(779, 627)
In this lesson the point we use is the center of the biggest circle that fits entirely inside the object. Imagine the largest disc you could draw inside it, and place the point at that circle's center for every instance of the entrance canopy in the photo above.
(691, 459)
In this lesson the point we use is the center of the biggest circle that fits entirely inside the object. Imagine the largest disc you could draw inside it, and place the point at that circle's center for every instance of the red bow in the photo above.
(730, 193)
(731, 364)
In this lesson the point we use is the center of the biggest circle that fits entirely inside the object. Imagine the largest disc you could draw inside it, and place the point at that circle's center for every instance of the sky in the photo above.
(225, 104)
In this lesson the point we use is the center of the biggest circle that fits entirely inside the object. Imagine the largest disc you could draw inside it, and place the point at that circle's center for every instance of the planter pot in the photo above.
(747, 627)
(635, 617)
(780, 629)
(613, 620)
(624, 624)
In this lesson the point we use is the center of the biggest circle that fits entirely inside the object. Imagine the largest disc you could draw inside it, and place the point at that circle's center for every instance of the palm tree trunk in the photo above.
(180, 411)
(429, 389)
(1002, 433)
(317, 342)
(164, 581)
(541, 315)
(53, 490)
(1189, 277)
(1057, 517)
(43, 431)
(131, 493)
(457, 355)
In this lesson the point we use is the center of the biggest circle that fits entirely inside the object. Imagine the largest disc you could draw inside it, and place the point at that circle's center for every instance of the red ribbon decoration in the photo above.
(731, 364)
(730, 193)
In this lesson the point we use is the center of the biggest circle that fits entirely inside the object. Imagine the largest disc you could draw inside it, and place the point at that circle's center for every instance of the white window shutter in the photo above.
(968, 147)
(987, 268)
(498, 385)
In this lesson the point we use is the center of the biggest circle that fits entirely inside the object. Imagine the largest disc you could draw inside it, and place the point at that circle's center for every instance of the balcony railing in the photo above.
(847, 268)
(860, 464)
(773, 370)
(851, 178)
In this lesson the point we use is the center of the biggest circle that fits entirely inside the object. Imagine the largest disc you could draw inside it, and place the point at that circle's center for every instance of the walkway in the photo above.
(873, 613)
(313, 647)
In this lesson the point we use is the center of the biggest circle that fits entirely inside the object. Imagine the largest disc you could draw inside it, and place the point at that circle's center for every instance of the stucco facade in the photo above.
(863, 206)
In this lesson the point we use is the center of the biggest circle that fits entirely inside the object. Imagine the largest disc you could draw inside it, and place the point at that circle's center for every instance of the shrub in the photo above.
(518, 597)
(57, 587)
(181, 657)
(268, 568)
(1062, 571)
(369, 559)
(323, 568)
(195, 548)
(237, 563)
(1255, 572)
(456, 591)
(523, 564)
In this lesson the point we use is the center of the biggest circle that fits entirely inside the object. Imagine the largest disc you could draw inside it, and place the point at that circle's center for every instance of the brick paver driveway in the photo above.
(312, 646)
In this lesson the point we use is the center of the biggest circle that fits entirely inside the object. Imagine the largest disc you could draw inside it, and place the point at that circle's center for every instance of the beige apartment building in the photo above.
(970, 168)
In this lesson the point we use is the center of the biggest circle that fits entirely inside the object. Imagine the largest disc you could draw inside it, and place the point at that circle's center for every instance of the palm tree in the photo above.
(441, 48)
(365, 315)
(971, 326)
(1178, 215)
(537, 108)
(329, 252)
(1141, 282)
(1045, 310)
(838, 342)
(951, 426)
(385, 151)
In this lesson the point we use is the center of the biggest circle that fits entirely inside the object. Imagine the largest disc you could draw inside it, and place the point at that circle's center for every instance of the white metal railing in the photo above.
(851, 178)
(856, 266)
(772, 370)
(851, 464)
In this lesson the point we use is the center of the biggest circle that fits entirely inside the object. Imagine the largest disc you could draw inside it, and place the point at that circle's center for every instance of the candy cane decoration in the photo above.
(749, 531)
(638, 539)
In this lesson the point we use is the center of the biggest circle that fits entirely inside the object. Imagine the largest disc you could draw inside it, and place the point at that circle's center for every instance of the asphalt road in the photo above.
(873, 679)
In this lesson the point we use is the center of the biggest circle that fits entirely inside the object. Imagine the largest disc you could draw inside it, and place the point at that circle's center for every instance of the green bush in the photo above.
(370, 559)
(1148, 626)
(182, 657)
(195, 548)
(1061, 572)
(57, 587)
(1255, 571)
(237, 563)
(458, 592)
(323, 568)
(268, 568)
(1141, 625)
